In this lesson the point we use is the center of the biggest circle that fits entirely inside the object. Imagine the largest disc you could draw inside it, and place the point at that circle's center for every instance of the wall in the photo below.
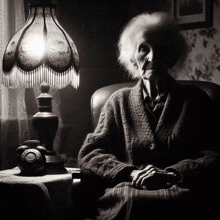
(203, 62)
(94, 26)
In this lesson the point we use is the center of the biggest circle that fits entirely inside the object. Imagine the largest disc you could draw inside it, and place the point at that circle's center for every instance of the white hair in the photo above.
(150, 23)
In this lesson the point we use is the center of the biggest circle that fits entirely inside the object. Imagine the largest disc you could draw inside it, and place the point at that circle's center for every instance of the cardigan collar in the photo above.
(166, 123)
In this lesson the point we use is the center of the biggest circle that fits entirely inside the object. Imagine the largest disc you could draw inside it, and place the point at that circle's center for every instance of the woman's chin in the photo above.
(153, 74)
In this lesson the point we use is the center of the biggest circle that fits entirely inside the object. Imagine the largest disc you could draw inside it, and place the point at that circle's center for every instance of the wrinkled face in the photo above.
(153, 55)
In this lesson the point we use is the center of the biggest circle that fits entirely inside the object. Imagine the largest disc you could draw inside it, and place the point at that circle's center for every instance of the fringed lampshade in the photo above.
(43, 53)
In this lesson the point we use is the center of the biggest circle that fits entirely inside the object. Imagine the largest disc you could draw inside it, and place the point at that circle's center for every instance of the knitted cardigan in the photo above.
(126, 139)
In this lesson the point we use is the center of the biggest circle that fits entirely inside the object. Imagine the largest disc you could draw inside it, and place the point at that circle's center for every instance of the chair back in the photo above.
(101, 95)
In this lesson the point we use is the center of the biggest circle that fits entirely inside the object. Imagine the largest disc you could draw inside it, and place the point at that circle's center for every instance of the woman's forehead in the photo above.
(151, 36)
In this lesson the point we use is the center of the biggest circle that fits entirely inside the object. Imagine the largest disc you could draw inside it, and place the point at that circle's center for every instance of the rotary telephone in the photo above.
(31, 157)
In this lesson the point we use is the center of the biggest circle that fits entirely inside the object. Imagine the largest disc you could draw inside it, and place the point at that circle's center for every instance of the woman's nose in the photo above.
(150, 55)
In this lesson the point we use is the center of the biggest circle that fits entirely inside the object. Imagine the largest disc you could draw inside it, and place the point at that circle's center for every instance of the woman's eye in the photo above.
(144, 49)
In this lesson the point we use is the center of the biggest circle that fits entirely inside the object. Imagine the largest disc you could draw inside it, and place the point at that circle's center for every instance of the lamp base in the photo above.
(54, 165)
(45, 124)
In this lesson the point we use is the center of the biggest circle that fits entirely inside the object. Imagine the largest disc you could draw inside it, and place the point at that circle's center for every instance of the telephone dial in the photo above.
(31, 157)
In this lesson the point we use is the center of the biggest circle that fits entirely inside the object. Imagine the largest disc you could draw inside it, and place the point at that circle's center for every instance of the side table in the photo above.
(36, 197)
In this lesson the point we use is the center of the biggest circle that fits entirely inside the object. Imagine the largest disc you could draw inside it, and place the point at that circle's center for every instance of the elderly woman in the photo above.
(153, 152)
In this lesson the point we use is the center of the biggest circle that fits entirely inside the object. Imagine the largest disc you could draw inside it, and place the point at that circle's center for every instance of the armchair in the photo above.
(83, 189)
(101, 95)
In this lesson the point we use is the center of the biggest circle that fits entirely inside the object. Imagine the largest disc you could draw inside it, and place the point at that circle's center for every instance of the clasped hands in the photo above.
(153, 178)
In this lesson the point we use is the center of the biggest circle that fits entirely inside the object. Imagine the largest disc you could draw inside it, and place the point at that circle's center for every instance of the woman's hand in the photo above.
(153, 178)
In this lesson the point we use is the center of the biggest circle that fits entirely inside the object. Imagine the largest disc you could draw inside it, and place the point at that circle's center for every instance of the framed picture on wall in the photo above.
(191, 14)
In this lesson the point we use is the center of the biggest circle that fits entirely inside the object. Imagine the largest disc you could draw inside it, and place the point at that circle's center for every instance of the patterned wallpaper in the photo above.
(203, 61)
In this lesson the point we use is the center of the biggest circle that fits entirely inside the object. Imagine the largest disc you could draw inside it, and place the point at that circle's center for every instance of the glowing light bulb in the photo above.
(34, 46)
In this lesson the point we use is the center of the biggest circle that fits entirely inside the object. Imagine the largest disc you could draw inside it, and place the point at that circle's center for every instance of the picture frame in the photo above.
(191, 14)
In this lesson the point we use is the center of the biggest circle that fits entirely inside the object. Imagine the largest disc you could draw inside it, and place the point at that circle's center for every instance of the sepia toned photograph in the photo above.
(109, 111)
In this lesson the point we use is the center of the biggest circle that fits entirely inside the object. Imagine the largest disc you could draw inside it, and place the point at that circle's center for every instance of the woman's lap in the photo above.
(125, 202)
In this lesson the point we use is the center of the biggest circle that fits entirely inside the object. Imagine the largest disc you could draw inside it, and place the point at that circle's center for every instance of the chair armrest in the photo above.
(77, 174)
(83, 196)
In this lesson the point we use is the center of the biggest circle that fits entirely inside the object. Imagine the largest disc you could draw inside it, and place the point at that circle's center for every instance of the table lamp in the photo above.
(42, 52)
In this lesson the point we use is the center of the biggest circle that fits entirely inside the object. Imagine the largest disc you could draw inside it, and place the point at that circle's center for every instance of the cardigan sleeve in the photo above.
(103, 153)
(204, 170)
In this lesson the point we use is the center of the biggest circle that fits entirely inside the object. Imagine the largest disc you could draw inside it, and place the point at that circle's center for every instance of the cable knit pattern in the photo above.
(125, 139)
